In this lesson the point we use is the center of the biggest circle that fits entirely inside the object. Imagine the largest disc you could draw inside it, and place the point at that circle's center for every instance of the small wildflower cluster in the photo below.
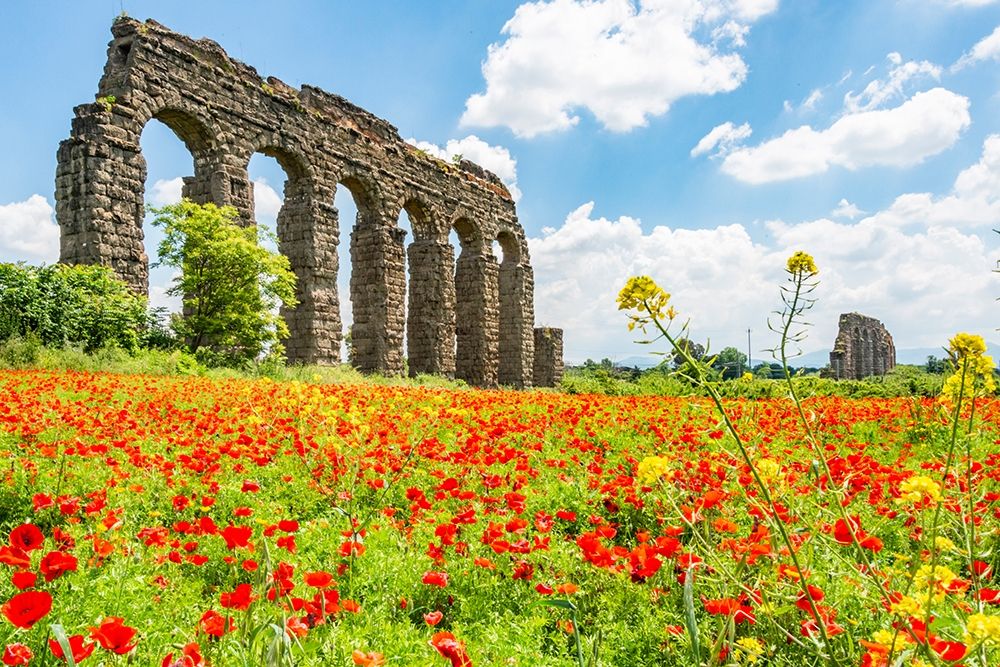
(801, 263)
(643, 295)
(974, 374)
(653, 468)
(918, 489)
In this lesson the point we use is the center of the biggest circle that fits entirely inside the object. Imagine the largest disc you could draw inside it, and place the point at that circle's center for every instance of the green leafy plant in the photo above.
(70, 305)
(232, 285)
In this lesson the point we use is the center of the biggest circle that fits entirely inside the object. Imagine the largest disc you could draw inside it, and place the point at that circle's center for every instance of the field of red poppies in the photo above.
(186, 521)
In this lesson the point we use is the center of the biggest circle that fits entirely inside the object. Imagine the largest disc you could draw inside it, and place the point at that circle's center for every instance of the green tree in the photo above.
(70, 305)
(232, 285)
(935, 365)
(731, 363)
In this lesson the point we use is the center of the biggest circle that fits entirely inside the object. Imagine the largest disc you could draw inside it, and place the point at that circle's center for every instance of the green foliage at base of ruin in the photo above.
(61, 305)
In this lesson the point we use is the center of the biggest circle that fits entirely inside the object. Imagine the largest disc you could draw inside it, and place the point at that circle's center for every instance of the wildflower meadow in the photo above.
(186, 521)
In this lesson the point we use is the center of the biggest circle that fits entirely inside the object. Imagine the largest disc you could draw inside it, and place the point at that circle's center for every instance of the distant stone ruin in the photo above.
(863, 348)
(472, 319)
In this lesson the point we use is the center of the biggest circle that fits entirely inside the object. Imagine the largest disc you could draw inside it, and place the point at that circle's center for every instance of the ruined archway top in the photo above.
(309, 100)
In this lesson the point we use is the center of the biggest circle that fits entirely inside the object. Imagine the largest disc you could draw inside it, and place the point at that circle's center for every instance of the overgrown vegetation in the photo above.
(58, 305)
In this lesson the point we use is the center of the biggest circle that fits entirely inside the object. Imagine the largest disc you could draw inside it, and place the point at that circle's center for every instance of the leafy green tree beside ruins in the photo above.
(231, 284)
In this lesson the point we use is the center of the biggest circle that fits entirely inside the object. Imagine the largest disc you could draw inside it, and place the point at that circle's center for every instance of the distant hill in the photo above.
(819, 358)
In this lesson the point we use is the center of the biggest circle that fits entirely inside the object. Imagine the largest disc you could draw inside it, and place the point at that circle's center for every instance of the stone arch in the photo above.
(476, 312)
(307, 236)
(430, 319)
(516, 314)
(378, 277)
(100, 184)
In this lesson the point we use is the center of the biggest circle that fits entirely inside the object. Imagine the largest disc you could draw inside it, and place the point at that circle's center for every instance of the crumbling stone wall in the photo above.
(863, 348)
(469, 318)
(548, 371)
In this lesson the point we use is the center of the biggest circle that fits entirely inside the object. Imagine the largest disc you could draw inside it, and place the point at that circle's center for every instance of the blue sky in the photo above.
(697, 141)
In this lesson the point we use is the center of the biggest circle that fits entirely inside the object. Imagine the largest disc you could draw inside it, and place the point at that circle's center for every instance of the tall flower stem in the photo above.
(713, 393)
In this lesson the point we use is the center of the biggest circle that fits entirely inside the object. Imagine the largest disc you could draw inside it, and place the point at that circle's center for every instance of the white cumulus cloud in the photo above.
(922, 265)
(880, 91)
(623, 61)
(922, 126)
(988, 48)
(846, 209)
(722, 138)
(165, 191)
(494, 158)
(266, 201)
(28, 231)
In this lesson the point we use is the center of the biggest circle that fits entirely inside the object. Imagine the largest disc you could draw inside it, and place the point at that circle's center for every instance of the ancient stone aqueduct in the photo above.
(863, 348)
(473, 318)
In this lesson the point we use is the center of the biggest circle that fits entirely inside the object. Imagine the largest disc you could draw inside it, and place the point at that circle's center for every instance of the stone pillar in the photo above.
(308, 235)
(476, 318)
(378, 288)
(516, 321)
(548, 363)
(100, 178)
(430, 325)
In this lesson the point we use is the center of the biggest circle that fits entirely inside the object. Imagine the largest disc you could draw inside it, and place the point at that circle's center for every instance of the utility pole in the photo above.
(749, 355)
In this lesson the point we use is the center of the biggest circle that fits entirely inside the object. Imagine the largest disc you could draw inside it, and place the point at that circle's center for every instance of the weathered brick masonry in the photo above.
(472, 318)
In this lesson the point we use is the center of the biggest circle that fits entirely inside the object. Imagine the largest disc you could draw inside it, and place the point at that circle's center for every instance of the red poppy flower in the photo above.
(439, 579)
(433, 618)
(17, 654)
(78, 646)
(26, 537)
(239, 599)
(449, 647)
(14, 557)
(23, 579)
(55, 563)
(214, 624)
(370, 659)
(27, 608)
(236, 536)
(190, 657)
(113, 635)
(318, 579)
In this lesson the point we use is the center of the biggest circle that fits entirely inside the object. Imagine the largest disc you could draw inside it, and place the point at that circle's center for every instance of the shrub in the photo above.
(70, 305)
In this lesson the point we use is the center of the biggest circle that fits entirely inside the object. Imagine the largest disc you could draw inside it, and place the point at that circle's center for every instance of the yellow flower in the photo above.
(942, 576)
(802, 263)
(944, 544)
(906, 606)
(966, 345)
(918, 487)
(752, 649)
(982, 628)
(892, 641)
(643, 295)
(769, 471)
(747, 376)
(652, 468)
(976, 371)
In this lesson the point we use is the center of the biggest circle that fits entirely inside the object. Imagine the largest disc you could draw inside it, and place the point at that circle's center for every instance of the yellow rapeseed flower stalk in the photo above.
(802, 263)
(653, 468)
(967, 345)
(752, 649)
(942, 576)
(982, 628)
(892, 641)
(642, 294)
(917, 488)
(979, 380)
